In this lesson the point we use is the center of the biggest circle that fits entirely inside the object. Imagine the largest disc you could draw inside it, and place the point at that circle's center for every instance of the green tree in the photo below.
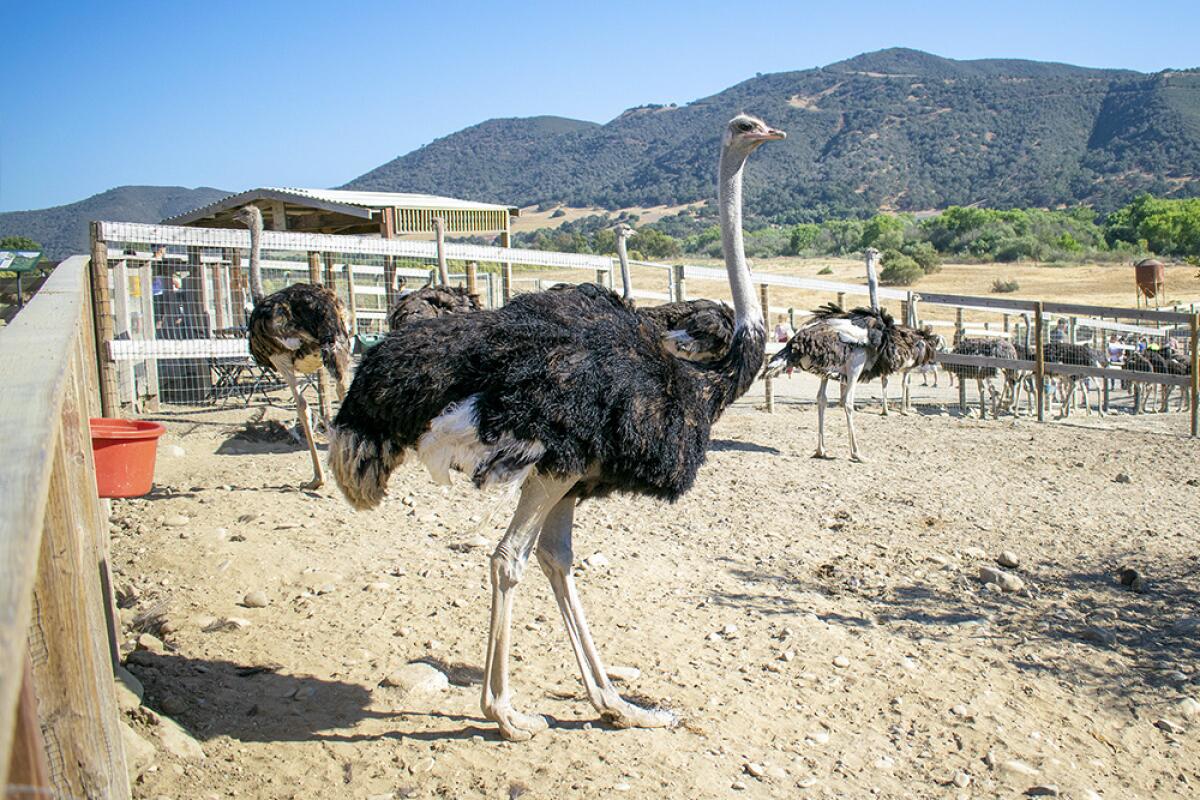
(802, 237)
(899, 269)
(18, 243)
(651, 243)
(883, 232)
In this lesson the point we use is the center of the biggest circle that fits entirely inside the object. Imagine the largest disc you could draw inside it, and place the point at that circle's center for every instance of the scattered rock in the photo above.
(623, 674)
(1186, 625)
(173, 704)
(596, 561)
(151, 643)
(819, 736)
(738, 786)
(178, 742)
(173, 450)
(1188, 707)
(139, 753)
(427, 519)
(1008, 558)
(1168, 726)
(1122, 478)
(475, 542)
(1017, 767)
(621, 787)
(176, 520)
(976, 553)
(959, 710)
(129, 689)
(256, 599)
(305, 692)
(885, 762)
(729, 630)
(1005, 580)
(1042, 790)
(841, 662)
(417, 678)
(755, 769)
(961, 779)
(1097, 635)
(408, 500)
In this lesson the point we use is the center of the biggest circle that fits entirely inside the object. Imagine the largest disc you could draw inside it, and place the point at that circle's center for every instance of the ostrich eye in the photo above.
(745, 126)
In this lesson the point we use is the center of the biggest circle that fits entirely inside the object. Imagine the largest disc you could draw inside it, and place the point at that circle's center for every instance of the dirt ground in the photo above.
(819, 626)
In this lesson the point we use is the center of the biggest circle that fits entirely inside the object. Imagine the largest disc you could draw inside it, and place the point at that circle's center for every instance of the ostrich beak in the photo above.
(770, 135)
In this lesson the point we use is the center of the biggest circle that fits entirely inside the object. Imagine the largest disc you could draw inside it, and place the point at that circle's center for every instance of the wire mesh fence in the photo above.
(180, 299)
(180, 302)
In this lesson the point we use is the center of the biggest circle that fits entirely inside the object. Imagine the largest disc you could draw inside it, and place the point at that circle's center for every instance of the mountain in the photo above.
(895, 129)
(63, 230)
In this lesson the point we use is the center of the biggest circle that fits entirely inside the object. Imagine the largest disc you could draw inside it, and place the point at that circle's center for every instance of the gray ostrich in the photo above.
(567, 394)
(296, 331)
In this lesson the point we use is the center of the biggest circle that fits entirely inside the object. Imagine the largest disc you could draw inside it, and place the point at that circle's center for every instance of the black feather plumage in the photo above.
(700, 330)
(432, 301)
(575, 370)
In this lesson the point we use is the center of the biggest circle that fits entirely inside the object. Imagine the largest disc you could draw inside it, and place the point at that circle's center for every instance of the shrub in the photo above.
(899, 269)
(826, 271)
(924, 254)
(558, 212)
(1001, 286)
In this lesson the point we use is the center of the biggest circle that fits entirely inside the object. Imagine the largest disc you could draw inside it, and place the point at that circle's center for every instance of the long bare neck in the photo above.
(872, 282)
(746, 310)
(256, 285)
(623, 257)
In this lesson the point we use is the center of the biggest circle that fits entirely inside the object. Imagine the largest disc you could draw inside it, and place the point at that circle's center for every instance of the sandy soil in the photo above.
(819, 623)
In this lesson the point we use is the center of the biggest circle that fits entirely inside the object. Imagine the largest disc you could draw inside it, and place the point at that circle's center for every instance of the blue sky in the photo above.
(241, 94)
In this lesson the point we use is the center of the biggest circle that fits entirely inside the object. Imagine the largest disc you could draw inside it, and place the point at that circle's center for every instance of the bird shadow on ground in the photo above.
(264, 437)
(250, 703)
(263, 703)
(1083, 626)
(736, 446)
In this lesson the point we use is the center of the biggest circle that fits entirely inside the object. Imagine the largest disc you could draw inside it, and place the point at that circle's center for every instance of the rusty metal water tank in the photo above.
(1151, 276)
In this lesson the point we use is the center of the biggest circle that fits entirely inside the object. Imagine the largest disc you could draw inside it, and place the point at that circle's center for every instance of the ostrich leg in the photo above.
(283, 365)
(822, 401)
(883, 388)
(982, 399)
(904, 396)
(853, 369)
(555, 555)
(539, 494)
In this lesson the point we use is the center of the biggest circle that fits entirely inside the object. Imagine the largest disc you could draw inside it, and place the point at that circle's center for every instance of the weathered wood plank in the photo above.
(34, 357)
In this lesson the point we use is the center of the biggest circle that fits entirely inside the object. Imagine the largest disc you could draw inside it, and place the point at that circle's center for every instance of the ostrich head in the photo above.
(745, 133)
(250, 216)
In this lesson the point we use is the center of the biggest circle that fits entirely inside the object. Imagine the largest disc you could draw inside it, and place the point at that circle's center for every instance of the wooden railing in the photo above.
(59, 724)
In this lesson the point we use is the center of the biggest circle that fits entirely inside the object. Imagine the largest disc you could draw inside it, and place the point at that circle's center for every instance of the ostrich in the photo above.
(1016, 379)
(567, 394)
(990, 347)
(1169, 362)
(847, 346)
(696, 330)
(432, 301)
(295, 331)
(1080, 355)
(916, 348)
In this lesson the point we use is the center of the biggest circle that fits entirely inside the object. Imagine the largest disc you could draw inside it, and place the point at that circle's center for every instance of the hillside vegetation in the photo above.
(63, 230)
(896, 129)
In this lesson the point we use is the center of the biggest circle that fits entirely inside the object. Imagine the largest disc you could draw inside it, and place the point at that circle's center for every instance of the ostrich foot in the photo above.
(822, 454)
(515, 726)
(885, 412)
(297, 433)
(858, 458)
(315, 483)
(621, 713)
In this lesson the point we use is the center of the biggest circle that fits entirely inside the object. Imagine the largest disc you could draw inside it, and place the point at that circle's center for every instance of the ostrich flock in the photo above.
(567, 394)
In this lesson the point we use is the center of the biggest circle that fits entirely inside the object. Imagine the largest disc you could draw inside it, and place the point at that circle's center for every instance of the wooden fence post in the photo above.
(237, 296)
(439, 230)
(102, 320)
(680, 283)
(962, 384)
(351, 300)
(768, 385)
(1039, 368)
(472, 270)
(1195, 375)
(506, 273)
(323, 392)
(841, 299)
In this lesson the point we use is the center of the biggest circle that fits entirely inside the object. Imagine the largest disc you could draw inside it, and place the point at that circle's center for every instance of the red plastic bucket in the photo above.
(124, 450)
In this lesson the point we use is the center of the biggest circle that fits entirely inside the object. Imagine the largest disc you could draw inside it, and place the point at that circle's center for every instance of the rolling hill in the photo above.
(896, 129)
(63, 230)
